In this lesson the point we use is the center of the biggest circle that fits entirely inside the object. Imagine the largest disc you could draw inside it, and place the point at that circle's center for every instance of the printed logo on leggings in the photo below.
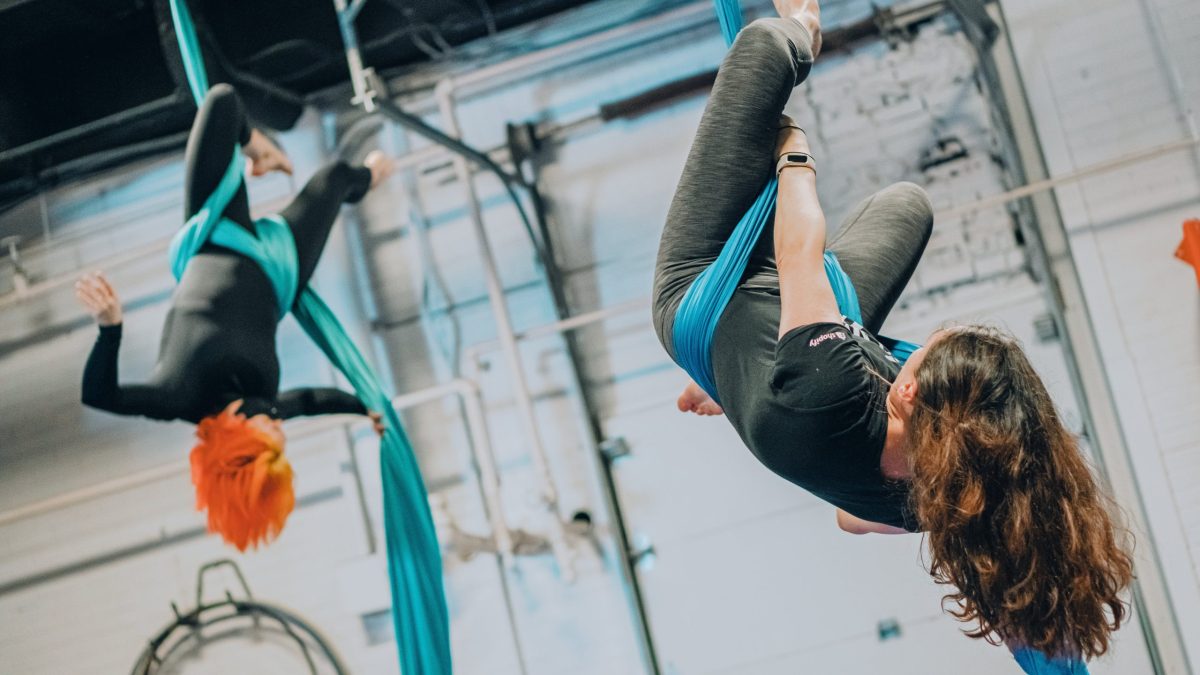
(835, 335)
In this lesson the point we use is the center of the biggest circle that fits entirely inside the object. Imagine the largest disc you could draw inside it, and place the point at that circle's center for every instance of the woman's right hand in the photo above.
(381, 166)
(99, 298)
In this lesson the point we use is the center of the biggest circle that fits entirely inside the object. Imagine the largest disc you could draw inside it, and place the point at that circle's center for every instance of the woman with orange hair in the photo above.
(217, 366)
(961, 441)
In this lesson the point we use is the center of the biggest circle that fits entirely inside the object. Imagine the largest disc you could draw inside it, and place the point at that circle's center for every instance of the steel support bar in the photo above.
(504, 329)
(364, 93)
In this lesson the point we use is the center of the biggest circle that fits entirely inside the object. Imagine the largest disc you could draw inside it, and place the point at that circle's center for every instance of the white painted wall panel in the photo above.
(1107, 79)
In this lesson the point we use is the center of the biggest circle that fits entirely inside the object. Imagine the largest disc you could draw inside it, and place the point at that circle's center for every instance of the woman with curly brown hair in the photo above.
(961, 441)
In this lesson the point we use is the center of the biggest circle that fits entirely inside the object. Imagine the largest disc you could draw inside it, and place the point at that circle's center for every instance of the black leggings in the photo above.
(220, 124)
(879, 245)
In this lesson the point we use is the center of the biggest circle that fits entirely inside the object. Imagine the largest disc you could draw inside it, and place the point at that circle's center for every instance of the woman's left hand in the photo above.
(376, 422)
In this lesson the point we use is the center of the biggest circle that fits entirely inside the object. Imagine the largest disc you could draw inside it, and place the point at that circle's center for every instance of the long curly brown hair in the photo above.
(1015, 518)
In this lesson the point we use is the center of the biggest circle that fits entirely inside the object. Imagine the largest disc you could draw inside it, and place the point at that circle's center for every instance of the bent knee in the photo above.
(774, 36)
(913, 201)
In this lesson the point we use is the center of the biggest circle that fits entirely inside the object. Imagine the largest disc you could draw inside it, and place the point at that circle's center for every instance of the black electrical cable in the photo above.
(510, 181)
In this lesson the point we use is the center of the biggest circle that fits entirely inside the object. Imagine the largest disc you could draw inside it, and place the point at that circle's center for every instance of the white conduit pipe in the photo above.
(495, 290)
(472, 354)
(1072, 177)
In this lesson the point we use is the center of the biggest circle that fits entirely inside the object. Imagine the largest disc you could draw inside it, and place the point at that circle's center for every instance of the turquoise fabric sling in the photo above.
(705, 300)
(419, 614)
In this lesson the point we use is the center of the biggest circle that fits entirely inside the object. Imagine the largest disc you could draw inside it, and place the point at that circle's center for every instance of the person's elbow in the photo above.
(98, 399)
(848, 523)
(91, 399)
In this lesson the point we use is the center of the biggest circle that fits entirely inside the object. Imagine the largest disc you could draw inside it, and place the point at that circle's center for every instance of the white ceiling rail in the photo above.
(1096, 169)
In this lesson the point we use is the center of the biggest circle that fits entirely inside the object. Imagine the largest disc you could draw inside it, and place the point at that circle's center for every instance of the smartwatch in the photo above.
(795, 159)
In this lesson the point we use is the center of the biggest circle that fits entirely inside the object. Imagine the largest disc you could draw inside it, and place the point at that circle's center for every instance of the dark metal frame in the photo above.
(186, 630)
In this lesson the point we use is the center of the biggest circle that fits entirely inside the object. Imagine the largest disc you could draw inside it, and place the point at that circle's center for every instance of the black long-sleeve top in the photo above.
(218, 342)
(201, 369)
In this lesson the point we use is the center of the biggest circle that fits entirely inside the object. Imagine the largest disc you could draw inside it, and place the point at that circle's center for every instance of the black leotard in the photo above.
(218, 343)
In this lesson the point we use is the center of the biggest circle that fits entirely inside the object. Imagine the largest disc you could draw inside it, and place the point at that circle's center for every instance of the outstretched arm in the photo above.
(101, 389)
(323, 401)
(312, 401)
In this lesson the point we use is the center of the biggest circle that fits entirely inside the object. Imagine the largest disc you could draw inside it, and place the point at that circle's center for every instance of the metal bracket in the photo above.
(362, 78)
(20, 274)
(615, 448)
(207, 567)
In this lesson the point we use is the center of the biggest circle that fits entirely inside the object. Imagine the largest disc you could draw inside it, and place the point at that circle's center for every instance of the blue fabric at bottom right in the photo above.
(1034, 662)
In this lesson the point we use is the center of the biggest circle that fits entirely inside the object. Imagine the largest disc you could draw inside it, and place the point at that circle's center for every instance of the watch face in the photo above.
(798, 157)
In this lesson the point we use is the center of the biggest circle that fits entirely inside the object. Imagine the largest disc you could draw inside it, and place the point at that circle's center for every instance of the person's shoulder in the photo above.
(813, 336)
(820, 366)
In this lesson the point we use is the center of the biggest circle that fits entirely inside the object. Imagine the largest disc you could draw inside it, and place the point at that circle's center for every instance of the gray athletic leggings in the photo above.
(878, 246)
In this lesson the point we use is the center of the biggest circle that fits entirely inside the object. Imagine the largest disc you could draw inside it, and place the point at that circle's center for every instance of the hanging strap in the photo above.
(419, 614)
(706, 299)
(1034, 662)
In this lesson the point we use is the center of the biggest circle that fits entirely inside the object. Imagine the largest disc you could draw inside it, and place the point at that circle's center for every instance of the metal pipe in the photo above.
(1074, 176)
(621, 37)
(473, 353)
(122, 552)
(364, 94)
(495, 290)
(54, 283)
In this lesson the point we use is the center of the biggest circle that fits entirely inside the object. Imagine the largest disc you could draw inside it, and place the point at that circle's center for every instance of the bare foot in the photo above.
(381, 166)
(808, 13)
(695, 400)
(265, 156)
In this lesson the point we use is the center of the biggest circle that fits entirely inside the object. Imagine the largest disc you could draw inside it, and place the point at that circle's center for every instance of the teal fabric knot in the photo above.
(271, 246)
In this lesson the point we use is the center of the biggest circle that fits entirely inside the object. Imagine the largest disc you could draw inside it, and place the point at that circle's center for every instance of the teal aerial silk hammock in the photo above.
(419, 613)
(706, 299)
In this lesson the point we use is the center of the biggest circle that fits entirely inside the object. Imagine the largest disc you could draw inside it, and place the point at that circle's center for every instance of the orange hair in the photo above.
(241, 478)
